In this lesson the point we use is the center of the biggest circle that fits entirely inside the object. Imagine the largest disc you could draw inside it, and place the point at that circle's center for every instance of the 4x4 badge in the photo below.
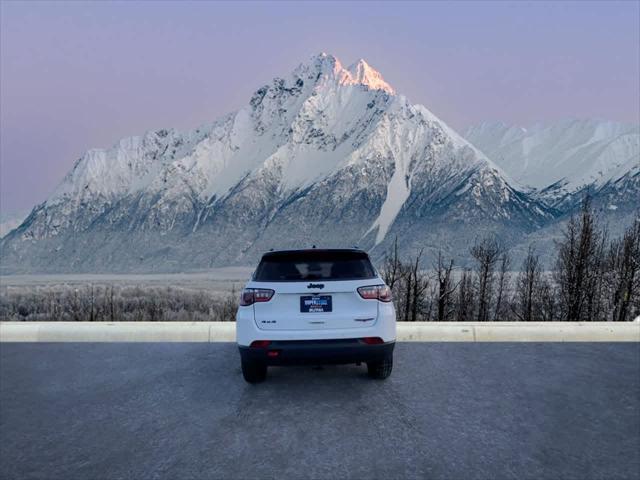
(315, 285)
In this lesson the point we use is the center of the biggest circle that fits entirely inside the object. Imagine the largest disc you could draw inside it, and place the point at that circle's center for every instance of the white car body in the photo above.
(279, 331)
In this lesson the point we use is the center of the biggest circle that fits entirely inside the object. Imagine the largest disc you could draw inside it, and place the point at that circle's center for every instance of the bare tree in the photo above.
(392, 266)
(505, 263)
(595, 284)
(446, 288)
(419, 287)
(623, 262)
(577, 263)
(547, 300)
(432, 300)
(397, 276)
(527, 286)
(410, 286)
(76, 307)
(92, 302)
(465, 304)
(111, 304)
(486, 253)
(408, 283)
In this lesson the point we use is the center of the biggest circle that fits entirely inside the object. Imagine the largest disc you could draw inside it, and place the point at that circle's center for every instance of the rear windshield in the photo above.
(318, 265)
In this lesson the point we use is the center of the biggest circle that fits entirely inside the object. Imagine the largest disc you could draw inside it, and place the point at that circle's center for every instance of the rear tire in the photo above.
(254, 372)
(380, 369)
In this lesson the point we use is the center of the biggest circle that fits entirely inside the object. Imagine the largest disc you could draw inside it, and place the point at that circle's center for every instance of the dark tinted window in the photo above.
(314, 265)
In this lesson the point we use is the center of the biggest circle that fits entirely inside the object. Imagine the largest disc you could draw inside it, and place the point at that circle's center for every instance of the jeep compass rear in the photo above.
(315, 307)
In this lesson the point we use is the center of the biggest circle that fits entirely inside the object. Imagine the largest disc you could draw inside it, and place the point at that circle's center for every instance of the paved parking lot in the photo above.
(449, 410)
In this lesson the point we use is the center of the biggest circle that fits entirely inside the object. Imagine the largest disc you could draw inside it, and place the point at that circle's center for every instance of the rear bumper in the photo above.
(301, 352)
(247, 330)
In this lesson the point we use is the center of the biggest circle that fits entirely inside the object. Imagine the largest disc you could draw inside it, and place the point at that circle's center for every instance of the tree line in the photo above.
(593, 278)
(113, 303)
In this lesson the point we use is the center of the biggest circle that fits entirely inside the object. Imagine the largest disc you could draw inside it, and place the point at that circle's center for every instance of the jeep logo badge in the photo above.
(315, 285)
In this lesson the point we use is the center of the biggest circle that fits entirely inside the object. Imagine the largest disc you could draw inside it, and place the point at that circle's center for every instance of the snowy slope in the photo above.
(9, 221)
(326, 155)
(562, 158)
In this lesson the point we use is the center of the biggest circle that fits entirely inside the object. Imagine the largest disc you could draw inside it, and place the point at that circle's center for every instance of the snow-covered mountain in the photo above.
(327, 155)
(9, 221)
(564, 160)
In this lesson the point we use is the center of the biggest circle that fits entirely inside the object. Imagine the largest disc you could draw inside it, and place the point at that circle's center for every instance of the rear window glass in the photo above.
(318, 265)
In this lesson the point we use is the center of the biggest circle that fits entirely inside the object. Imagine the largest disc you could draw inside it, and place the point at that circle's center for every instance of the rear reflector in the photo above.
(372, 340)
(273, 353)
(260, 343)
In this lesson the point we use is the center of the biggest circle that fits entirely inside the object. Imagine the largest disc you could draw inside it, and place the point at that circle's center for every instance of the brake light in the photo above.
(249, 296)
(375, 292)
(260, 343)
(372, 340)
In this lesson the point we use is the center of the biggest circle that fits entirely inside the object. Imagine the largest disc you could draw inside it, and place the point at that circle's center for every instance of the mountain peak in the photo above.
(359, 73)
(364, 74)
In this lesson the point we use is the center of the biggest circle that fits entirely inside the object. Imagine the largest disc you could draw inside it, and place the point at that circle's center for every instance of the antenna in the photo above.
(313, 246)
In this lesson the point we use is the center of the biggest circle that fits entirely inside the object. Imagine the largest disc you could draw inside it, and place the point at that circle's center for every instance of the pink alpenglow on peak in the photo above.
(360, 73)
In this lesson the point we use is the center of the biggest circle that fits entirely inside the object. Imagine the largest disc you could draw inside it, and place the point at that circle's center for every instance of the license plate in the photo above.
(315, 304)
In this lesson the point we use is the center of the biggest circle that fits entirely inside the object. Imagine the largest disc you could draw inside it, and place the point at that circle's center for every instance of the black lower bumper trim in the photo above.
(317, 352)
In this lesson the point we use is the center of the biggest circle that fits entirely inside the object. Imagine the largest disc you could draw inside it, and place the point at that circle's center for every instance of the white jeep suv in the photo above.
(315, 307)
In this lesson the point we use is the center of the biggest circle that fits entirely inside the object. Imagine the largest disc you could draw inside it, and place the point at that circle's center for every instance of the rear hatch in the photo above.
(315, 290)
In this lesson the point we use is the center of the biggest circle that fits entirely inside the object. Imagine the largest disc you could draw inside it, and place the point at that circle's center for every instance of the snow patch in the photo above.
(397, 193)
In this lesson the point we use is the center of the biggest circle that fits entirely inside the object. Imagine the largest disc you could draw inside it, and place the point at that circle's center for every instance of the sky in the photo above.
(77, 75)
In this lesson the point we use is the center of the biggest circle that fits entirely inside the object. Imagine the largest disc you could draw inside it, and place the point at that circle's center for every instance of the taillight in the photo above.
(375, 292)
(369, 293)
(384, 293)
(249, 296)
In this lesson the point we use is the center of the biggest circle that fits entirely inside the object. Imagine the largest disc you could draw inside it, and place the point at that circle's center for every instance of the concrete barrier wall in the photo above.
(519, 332)
(407, 332)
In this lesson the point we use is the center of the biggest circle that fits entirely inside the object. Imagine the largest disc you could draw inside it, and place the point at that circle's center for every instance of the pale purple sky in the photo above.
(79, 75)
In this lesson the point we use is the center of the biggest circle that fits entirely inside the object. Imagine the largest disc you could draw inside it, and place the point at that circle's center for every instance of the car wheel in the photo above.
(380, 369)
(254, 372)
